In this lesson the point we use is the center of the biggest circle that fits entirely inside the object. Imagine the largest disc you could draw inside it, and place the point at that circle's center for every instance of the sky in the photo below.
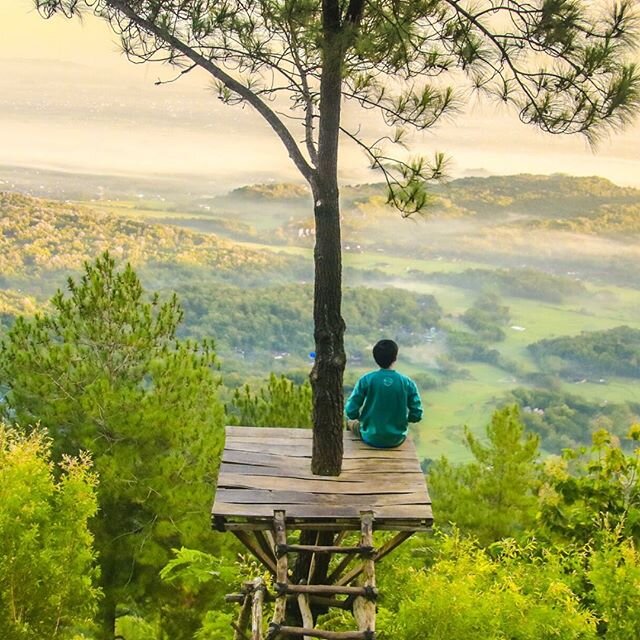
(69, 100)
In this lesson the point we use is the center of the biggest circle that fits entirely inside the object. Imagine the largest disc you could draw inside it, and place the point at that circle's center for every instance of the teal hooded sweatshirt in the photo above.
(384, 402)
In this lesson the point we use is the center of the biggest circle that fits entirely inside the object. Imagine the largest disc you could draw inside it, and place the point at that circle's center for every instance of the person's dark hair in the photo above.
(385, 353)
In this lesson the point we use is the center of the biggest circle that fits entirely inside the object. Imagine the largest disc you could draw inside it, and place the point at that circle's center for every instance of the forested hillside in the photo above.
(130, 374)
(37, 236)
(465, 290)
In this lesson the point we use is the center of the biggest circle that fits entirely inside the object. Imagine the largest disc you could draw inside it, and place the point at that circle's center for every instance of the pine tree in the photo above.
(101, 370)
(48, 573)
(493, 496)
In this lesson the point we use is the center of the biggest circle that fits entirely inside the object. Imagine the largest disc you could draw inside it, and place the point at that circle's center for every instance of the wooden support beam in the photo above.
(264, 545)
(340, 568)
(305, 612)
(364, 610)
(314, 548)
(239, 634)
(237, 598)
(326, 635)
(392, 544)
(256, 609)
(384, 550)
(243, 619)
(339, 525)
(252, 545)
(312, 562)
(341, 536)
(282, 567)
(328, 590)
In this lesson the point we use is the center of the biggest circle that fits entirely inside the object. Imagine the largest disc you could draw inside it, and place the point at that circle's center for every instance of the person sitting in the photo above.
(383, 402)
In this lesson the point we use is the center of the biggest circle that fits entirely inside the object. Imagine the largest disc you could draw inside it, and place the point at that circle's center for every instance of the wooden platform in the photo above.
(268, 469)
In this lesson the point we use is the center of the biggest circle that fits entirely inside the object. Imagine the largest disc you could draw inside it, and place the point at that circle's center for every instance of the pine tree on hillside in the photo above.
(101, 371)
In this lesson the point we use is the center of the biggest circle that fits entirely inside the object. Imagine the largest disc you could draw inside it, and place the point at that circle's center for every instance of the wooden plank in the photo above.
(260, 523)
(295, 471)
(259, 496)
(272, 460)
(300, 451)
(400, 512)
(275, 443)
(299, 434)
(278, 431)
(297, 451)
(322, 485)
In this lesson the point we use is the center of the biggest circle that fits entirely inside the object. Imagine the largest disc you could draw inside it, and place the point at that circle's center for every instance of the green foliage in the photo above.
(48, 568)
(607, 220)
(590, 490)
(568, 420)
(13, 304)
(469, 347)
(614, 573)
(281, 403)
(493, 496)
(135, 628)
(102, 371)
(464, 591)
(612, 352)
(519, 283)
(279, 319)
(543, 196)
(487, 316)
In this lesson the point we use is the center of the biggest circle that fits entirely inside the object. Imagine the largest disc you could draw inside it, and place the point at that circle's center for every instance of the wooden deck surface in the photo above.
(269, 469)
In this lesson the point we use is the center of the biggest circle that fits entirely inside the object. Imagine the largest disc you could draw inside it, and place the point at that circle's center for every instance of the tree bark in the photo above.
(327, 374)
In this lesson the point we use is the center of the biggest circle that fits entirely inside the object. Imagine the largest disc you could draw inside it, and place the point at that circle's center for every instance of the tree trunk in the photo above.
(328, 370)
(107, 617)
(327, 373)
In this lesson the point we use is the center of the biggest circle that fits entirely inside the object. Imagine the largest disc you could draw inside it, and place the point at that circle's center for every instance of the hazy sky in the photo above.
(70, 100)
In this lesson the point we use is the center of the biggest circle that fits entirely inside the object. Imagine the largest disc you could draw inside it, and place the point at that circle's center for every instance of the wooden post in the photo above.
(305, 612)
(364, 609)
(243, 618)
(256, 611)
(282, 567)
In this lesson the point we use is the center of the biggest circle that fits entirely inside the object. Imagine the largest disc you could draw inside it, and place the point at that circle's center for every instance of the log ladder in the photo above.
(266, 492)
(360, 599)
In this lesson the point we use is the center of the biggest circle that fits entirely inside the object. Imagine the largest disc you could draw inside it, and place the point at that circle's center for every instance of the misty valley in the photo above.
(507, 289)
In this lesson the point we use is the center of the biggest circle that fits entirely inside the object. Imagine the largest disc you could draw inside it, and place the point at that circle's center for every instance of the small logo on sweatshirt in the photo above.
(387, 382)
